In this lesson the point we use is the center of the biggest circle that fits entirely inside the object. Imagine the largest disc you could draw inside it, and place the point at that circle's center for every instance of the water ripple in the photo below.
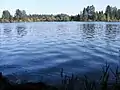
(42, 49)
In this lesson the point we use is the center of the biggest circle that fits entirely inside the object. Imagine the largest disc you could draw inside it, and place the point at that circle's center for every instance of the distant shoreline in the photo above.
(61, 21)
(111, 14)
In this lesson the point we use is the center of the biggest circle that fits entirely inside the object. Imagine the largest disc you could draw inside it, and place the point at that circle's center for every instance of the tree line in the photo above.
(88, 14)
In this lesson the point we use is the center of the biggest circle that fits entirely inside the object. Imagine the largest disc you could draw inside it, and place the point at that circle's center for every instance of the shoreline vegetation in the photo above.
(109, 80)
(111, 14)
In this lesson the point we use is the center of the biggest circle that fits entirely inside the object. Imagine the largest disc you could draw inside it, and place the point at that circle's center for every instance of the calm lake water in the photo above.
(35, 51)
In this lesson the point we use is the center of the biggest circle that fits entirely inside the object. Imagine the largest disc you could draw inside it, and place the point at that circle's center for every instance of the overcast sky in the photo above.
(70, 7)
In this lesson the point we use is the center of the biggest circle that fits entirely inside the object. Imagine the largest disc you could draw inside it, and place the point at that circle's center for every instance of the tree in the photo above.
(85, 15)
(108, 17)
(101, 16)
(114, 13)
(108, 12)
(24, 14)
(6, 15)
(91, 12)
(88, 14)
(81, 16)
(18, 14)
(77, 17)
(118, 14)
(66, 18)
(96, 16)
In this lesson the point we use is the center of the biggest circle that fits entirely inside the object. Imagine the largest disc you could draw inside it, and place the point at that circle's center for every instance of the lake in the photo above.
(37, 51)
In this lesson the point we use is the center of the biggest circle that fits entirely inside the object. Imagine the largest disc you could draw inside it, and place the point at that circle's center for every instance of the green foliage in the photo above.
(88, 14)
(6, 14)
(85, 15)
(18, 14)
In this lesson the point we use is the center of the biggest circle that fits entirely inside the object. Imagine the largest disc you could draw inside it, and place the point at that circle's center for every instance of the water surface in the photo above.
(29, 51)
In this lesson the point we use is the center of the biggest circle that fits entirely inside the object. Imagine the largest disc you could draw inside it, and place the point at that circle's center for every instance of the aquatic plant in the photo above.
(71, 82)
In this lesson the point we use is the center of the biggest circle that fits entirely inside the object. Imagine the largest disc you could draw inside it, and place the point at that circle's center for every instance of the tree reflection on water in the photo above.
(21, 30)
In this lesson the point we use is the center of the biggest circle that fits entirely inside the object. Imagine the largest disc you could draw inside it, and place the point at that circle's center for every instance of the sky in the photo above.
(70, 7)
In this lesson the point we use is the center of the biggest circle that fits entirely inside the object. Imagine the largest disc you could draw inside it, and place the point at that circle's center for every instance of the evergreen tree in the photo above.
(108, 12)
(85, 15)
(114, 13)
(118, 14)
(91, 12)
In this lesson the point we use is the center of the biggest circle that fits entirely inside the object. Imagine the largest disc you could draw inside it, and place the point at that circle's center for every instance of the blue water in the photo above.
(31, 51)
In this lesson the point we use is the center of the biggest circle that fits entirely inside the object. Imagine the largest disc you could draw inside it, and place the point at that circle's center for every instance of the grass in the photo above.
(109, 80)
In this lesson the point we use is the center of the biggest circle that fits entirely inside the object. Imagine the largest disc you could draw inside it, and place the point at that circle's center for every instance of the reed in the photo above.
(71, 82)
